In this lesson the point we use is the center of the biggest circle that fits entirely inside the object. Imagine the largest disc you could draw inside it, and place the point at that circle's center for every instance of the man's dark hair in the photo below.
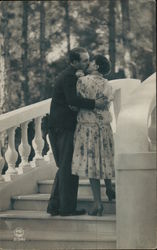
(74, 54)
(103, 63)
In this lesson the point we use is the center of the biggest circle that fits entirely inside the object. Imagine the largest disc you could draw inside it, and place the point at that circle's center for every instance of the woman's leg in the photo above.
(98, 206)
(109, 190)
(108, 183)
(95, 186)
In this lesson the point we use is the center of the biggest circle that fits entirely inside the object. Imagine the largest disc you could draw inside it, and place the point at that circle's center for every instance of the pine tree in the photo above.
(67, 20)
(154, 34)
(24, 58)
(125, 36)
(42, 48)
(112, 34)
(4, 59)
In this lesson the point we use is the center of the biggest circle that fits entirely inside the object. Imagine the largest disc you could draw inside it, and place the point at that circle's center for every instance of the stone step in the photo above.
(45, 186)
(39, 202)
(39, 220)
(38, 230)
(62, 244)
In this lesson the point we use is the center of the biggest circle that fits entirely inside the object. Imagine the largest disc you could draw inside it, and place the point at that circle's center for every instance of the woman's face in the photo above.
(92, 67)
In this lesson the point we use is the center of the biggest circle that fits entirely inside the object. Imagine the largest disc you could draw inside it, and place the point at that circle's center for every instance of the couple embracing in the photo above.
(80, 133)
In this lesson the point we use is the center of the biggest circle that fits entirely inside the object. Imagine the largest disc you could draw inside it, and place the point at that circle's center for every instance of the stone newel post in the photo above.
(136, 179)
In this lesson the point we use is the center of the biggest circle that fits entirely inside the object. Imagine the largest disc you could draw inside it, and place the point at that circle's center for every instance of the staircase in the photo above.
(28, 226)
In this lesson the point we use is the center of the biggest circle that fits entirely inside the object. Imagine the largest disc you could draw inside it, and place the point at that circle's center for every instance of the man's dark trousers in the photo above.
(65, 187)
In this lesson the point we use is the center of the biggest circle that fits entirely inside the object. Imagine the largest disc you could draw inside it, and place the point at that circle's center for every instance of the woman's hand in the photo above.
(101, 103)
(73, 108)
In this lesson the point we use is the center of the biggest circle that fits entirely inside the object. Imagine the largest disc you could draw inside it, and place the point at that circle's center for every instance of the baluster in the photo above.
(38, 144)
(152, 131)
(2, 162)
(24, 149)
(49, 156)
(11, 155)
(113, 123)
(117, 103)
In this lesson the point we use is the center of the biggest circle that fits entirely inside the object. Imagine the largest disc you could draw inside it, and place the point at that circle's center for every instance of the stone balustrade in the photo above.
(9, 122)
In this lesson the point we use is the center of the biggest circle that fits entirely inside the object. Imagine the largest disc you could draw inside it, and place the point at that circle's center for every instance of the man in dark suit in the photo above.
(62, 125)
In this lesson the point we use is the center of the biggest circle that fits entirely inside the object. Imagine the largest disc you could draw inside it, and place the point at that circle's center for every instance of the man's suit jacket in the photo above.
(64, 94)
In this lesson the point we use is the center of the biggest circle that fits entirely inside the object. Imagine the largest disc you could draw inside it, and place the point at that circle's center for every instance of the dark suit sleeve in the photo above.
(72, 98)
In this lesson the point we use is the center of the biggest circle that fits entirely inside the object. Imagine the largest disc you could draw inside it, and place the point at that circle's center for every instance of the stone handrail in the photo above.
(21, 115)
(126, 85)
(132, 125)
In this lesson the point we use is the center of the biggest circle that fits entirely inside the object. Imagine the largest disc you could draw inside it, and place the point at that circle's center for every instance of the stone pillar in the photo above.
(136, 204)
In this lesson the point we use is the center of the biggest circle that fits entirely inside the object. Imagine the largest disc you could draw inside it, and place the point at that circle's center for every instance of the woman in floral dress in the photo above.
(93, 155)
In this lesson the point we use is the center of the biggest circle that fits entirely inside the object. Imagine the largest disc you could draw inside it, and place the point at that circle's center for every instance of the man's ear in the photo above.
(75, 62)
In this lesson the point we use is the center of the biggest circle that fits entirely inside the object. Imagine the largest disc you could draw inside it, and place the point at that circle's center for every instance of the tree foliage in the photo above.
(39, 34)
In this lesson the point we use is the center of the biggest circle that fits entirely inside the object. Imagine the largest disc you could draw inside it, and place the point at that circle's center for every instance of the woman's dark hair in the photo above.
(103, 63)
(74, 54)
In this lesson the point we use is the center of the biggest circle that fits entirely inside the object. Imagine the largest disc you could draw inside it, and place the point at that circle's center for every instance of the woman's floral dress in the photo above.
(93, 139)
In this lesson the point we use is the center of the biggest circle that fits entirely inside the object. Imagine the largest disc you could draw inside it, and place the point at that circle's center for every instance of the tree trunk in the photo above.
(67, 25)
(4, 60)
(3, 77)
(4, 72)
(154, 34)
(25, 82)
(125, 21)
(42, 48)
(129, 66)
(112, 35)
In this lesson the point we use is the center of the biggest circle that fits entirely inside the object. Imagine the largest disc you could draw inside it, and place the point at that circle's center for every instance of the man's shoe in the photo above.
(74, 213)
(79, 212)
(53, 212)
